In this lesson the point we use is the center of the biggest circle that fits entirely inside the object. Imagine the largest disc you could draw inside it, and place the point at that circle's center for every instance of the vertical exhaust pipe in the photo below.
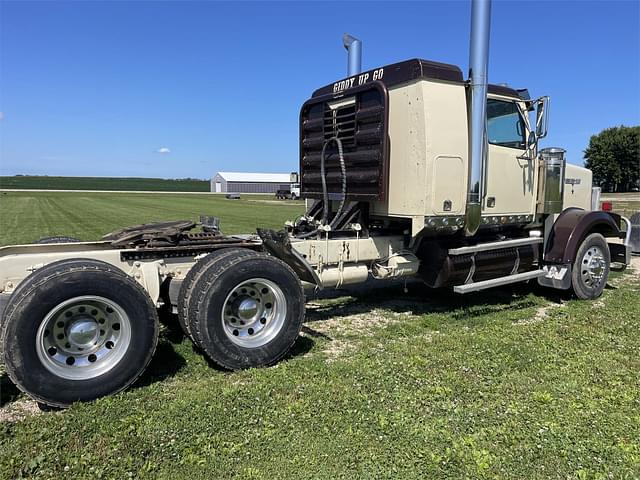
(354, 54)
(478, 80)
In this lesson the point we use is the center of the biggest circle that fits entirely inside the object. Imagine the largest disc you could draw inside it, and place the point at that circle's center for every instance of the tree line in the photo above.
(613, 156)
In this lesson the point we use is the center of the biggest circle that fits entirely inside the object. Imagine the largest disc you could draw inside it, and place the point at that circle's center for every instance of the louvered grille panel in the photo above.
(360, 122)
(341, 123)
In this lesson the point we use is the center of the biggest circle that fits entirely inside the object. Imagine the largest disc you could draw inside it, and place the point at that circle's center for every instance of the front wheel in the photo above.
(591, 267)
(247, 310)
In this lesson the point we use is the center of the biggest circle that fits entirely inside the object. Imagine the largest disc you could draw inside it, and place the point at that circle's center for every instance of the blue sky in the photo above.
(99, 88)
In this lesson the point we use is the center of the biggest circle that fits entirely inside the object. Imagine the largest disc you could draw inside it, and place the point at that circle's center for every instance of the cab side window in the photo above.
(505, 126)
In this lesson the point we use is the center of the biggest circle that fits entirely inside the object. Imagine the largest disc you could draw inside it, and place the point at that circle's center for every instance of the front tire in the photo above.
(591, 267)
(247, 310)
(77, 330)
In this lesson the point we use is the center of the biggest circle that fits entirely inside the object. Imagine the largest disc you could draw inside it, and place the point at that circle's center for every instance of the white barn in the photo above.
(244, 182)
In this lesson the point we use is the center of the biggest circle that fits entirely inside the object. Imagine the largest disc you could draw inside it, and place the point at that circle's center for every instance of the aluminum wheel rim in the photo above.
(83, 337)
(593, 267)
(254, 312)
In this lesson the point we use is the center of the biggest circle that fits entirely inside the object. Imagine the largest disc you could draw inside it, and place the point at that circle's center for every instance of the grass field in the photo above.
(28, 216)
(104, 183)
(518, 383)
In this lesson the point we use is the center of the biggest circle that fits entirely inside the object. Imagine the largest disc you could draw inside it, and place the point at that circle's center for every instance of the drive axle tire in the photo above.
(57, 239)
(77, 330)
(186, 288)
(591, 267)
(246, 310)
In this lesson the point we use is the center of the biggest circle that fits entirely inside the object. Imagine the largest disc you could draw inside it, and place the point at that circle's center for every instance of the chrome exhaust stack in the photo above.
(478, 81)
(354, 54)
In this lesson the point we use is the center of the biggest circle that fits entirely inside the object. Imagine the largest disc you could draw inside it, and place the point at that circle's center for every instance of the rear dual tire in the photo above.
(244, 309)
(57, 239)
(186, 288)
(77, 330)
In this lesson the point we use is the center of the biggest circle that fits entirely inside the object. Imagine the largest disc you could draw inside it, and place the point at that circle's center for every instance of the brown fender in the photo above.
(570, 229)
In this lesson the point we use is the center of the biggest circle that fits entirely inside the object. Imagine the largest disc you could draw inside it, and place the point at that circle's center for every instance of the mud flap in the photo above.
(621, 252)
(556, 276)
(620, 256)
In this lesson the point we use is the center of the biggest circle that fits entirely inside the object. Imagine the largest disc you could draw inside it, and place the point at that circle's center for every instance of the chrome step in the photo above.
(483, 247)
(496, 282)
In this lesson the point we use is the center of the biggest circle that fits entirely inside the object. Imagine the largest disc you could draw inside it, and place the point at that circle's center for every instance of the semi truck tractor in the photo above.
(408, 170)
(290, 193)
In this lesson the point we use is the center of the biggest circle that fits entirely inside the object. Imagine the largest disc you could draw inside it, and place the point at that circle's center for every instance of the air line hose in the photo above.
(325, 193)
(343, 169)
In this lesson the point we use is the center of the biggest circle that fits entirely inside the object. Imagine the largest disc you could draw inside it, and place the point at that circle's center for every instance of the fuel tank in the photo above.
(439, 269)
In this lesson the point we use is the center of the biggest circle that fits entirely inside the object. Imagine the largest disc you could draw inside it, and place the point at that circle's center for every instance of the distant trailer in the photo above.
(246, 182)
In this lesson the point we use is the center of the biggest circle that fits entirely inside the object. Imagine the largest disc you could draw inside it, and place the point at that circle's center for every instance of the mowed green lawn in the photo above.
(28, 216)
(104, 183)
(518, 383)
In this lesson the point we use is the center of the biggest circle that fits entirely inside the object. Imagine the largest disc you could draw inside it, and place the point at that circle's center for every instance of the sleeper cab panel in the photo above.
(448, 185)
(428, 150)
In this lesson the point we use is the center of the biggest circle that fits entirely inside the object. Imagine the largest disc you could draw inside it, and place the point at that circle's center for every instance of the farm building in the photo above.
(245, 182)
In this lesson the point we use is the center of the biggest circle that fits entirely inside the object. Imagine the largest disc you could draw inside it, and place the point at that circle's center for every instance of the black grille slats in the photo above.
(360, 157)
(359, 120)
(340, 122)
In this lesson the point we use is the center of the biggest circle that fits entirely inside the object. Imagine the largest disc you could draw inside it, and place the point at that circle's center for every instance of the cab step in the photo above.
(496, 282)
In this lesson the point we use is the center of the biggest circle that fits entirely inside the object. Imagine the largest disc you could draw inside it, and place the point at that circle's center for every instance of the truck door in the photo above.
(510, 172)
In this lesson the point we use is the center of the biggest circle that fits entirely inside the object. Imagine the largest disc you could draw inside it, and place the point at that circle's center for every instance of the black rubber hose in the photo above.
(323, 178)
(343, 169)
(325, 193)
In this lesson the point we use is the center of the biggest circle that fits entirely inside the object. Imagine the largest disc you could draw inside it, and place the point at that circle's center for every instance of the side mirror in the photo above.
(542, 117)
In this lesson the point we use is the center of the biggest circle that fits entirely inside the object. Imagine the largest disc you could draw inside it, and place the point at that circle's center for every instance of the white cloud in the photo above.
(163, 150)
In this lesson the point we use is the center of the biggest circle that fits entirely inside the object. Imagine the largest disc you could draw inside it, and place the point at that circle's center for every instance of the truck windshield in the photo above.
(505, 126)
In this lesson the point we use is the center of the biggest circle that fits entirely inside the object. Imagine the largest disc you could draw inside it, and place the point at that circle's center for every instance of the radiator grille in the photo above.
(341, 123)
(360, 122)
